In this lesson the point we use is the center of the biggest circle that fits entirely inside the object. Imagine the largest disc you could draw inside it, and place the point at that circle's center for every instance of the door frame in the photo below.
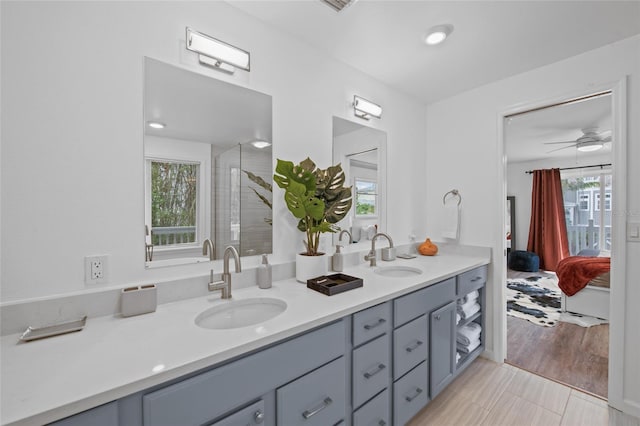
(618, 222)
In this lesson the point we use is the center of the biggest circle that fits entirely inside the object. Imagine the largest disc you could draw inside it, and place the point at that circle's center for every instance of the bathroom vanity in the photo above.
(374, 355)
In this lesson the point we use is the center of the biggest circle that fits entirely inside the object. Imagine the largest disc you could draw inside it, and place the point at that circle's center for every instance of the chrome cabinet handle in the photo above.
(411, 398)
(375, 324)
(382, 423)
(414, 347)
(258, 417)
(437, 317)
(370, 374)
(473, 280)
(310, 413)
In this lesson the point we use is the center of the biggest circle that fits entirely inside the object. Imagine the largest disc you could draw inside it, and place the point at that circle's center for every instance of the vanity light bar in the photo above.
(365, 109)
(216, 53)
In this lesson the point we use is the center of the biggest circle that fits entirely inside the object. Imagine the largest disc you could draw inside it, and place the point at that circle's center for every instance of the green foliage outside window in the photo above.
(173, 197)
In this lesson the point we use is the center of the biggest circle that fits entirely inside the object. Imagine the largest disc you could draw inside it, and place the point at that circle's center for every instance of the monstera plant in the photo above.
(317, 197)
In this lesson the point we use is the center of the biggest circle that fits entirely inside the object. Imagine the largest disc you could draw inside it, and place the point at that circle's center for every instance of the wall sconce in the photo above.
(365, 109)
(216, 53)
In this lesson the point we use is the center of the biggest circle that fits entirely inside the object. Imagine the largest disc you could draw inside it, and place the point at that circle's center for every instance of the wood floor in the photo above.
(574, 355)
(491, 394)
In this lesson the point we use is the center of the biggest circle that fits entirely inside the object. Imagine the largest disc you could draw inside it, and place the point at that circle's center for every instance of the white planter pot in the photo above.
(311, 267)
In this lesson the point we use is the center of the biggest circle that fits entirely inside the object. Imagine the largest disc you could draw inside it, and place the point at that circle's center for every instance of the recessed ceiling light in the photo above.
(155, 125)
(261, 144)
(438, 34)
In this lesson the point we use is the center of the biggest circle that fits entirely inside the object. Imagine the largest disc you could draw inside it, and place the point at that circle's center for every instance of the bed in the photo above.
(585, 283)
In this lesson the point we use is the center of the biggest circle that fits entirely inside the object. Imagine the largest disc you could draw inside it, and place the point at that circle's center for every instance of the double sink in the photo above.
(247, 312)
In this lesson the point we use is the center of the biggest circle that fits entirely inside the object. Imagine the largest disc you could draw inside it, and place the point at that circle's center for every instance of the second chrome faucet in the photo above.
(388, 253)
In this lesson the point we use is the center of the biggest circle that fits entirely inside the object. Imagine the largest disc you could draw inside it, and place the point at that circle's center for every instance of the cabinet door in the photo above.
(371, 369)
(104, 415)
(248, 416)
(442, 329)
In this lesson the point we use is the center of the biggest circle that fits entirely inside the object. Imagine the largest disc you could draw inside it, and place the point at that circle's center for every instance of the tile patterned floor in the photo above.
(491, 394)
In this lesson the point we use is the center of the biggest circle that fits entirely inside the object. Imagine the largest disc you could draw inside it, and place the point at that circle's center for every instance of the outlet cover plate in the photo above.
(96, 269)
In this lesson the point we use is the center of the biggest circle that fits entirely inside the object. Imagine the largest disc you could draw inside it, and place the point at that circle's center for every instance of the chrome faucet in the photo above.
(387, 253)
(225, 283)
(207, 249)
(344, 231)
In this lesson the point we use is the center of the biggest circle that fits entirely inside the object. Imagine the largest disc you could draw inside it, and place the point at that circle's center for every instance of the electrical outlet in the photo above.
(95, 269)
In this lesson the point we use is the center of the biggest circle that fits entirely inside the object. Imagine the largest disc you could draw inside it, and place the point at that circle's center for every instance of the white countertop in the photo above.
(49, 379)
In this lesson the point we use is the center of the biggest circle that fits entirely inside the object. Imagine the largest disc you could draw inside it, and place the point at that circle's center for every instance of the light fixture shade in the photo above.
(219, 51)
(590, 146)
(438, 34)
(260, 144)
(365, 109)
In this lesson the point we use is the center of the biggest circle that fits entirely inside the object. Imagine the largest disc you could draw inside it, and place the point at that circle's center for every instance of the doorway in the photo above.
(551, 136)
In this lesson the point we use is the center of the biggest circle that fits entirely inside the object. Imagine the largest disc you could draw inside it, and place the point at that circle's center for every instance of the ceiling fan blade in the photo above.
(553, 143)
(564, 147)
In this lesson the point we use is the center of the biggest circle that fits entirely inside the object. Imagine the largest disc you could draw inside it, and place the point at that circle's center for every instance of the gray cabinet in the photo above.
(254, 414)
(375, 412)
(371, 369)
(410, 394)
(104, 415)
(410, 345)
(442, 331)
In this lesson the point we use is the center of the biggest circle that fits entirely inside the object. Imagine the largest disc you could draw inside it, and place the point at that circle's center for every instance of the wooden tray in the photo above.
(334, 284)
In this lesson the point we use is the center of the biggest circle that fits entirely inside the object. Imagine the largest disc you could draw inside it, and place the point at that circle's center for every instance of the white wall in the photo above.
(520, 185)
(464, 152)
(72, 155)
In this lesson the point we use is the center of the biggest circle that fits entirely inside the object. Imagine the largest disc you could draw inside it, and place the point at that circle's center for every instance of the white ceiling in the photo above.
(491, 40)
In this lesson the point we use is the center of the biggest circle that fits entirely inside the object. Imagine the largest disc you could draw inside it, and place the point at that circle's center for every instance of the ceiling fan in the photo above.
(591, 140)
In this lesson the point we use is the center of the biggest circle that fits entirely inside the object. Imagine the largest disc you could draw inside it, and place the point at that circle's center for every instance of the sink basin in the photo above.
(240, 313)
(397, 271)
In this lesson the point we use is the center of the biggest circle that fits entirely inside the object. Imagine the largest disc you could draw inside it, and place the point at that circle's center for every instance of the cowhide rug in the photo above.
(534, 298)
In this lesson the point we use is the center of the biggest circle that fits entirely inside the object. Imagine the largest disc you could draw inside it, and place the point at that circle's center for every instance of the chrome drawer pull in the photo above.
(375, 324)
(414, 347)
(437, 317)
(473, 280)
(308, 414)
(258, 417)
(378, 369)
(411, 398)
(382, 423)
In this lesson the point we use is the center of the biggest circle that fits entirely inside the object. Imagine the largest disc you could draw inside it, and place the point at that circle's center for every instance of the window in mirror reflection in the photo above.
(173, 203)
(366, 197)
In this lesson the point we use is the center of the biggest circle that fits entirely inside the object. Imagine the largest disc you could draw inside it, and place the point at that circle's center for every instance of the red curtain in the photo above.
(548, 230)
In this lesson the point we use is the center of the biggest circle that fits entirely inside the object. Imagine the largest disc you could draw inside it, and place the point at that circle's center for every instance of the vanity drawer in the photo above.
(410, 345)
(251, 415)
(375, 412)
(472, 280)
(422, 301)
(243, 380)
(371, 323)
(410, 394)
(317, 398)
(371, 369)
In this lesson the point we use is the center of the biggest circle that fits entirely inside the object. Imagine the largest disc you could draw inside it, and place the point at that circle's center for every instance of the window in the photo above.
(173, 202)
(366, 197)
(584, 199)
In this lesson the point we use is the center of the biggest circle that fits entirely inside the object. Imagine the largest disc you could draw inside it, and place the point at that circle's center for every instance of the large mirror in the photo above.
(208, 167)
(362, 151)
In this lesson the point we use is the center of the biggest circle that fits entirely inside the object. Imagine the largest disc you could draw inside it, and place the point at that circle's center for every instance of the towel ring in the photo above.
(453, 192)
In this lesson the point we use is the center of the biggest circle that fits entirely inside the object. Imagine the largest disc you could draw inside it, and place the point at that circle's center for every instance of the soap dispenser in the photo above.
(264, 273)
(336, 260)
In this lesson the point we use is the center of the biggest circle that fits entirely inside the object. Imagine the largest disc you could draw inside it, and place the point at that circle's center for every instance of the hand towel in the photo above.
(468, 297)
(469, 333)
(458, 318)
(467, 311)
(465, 349)
(451, 219)
(458, 357)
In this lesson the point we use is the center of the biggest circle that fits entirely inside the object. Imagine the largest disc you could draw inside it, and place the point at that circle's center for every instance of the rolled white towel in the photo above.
(466, 311)
(458, 357)
(468, 297)
(465, 349)
(458, 318)
(469, 333)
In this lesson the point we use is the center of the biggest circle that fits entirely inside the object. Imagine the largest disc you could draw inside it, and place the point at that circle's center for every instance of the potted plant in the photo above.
(319, 200)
